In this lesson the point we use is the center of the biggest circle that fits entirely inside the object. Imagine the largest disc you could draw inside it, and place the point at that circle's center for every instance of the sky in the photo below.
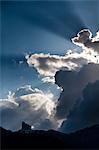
(48, 52)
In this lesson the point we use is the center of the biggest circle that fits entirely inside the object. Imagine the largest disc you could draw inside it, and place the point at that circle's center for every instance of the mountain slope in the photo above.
(85, 138)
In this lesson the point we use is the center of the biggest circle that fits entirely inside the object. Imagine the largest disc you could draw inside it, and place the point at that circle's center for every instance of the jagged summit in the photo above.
(25, 126)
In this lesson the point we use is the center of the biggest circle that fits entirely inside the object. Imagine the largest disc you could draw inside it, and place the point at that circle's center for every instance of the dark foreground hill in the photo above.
(32, 139)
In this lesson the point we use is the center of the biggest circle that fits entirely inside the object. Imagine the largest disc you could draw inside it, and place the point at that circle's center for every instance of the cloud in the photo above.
(32, 106)
(73, 83)
(86, 113)
(47, 65)
(84, 39)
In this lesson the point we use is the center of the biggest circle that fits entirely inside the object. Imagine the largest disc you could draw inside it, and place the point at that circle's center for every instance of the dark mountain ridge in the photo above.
(26, 138)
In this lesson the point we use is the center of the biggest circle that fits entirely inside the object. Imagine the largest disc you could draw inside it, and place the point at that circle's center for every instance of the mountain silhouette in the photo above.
(26, 138)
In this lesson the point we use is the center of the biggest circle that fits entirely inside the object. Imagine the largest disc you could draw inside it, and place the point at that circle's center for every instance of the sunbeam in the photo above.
(89, 13)
(59, 18)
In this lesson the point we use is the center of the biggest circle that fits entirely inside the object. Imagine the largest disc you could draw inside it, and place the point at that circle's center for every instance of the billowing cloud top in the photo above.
(84, 39)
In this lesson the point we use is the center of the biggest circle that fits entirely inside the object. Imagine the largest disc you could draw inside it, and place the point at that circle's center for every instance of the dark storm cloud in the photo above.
(73, 83)
(57, 17)
(86, 113)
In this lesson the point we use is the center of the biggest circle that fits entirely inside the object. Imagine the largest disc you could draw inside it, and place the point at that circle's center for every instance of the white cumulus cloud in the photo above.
(31, 106)
(47, 65)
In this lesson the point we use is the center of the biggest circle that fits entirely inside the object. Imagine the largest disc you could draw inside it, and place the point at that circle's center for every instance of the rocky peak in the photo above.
(25, 126)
